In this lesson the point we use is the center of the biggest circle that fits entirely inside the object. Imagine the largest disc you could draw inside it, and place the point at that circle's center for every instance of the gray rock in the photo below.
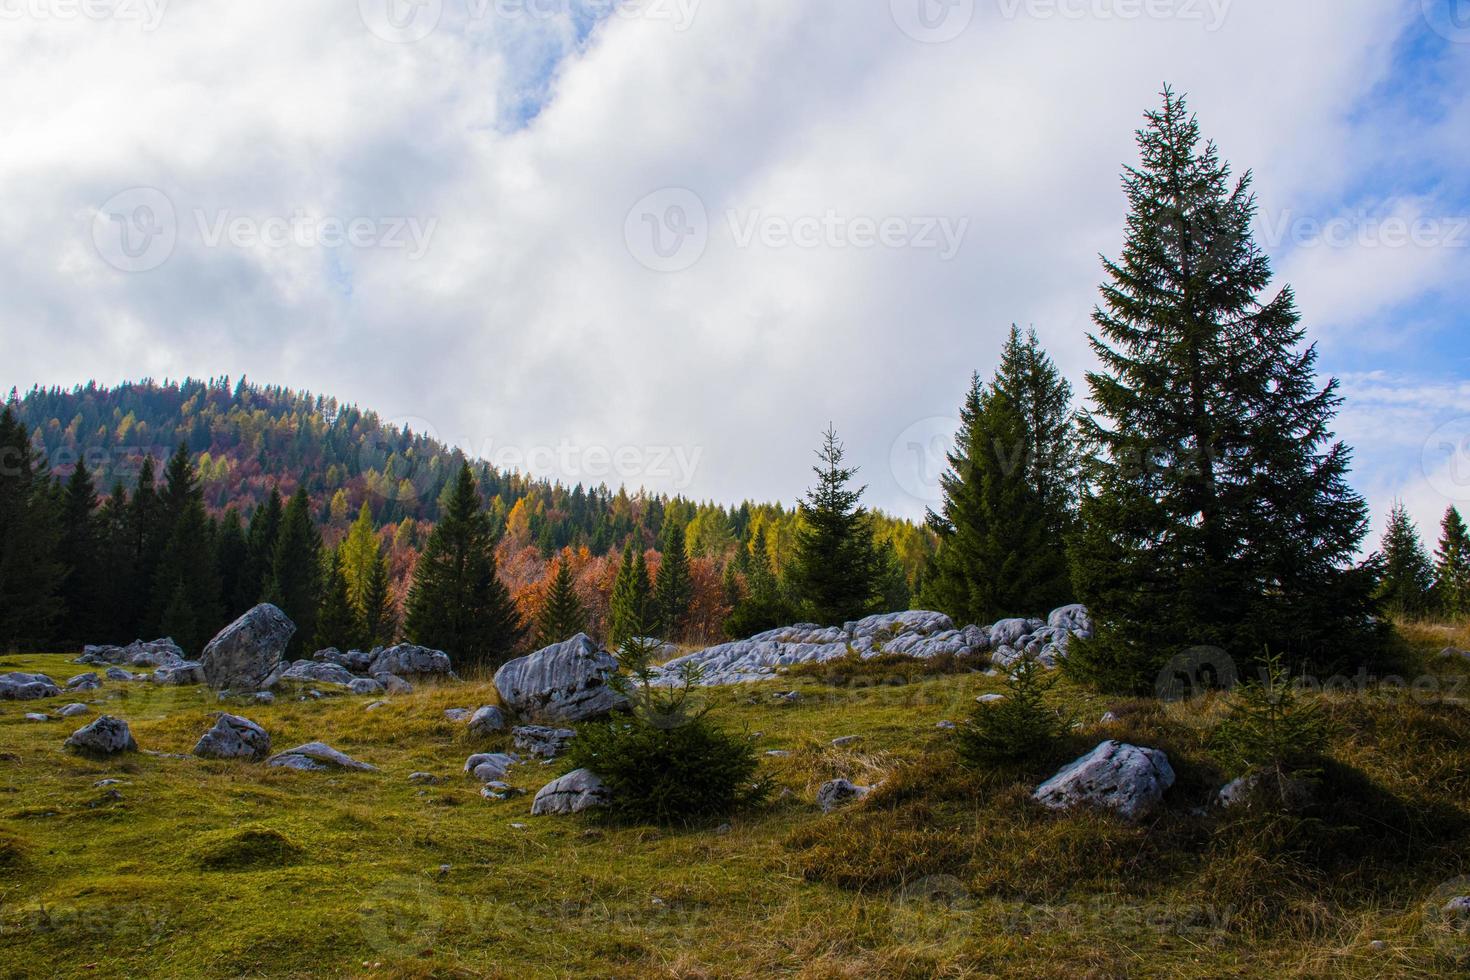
(73, 710)
(139, 653)
(245, 652)
(16, 686)
(375, 706)
(1453, 653)
(118, 674)
(393, 684)
(37, 716)
(179, 674)
(84, 682)
(316, 757)
(1293, 794)
(105, 736)
(1457, 907)
(990, 698)
(489, 766)
(539, 740)
(263, 697)
(486, 721)
(312, 672)
(564, 682)
(365, 685)
(777, 753)
(946, 725)
(233, 737)
(456, 714)
(836, 793)
(1124, 778)
(425, 778)
(846, 740)
(355, 661)
(407, 660)
(578, 790)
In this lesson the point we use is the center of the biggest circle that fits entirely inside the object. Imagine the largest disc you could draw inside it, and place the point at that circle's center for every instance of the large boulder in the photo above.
(567, 681)
(179, 674)
(576, 791)
(1123, 778)
(356, 661)
(407, 660)
(233, 737)
(393, 684)
(541, 741)
(317, 757)
(245, 652)
(105, 736)
(486, 721)
(365, 685)
(16, 686)
(311, 672)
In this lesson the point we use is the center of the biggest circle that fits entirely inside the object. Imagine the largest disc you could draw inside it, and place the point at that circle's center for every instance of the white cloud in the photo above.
(529, 322)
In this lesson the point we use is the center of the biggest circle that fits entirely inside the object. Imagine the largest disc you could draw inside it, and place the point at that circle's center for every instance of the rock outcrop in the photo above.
(155, 653)
(103, 737)
(244, 653)
(179, 674)
(233, 737)
(539, 740)
(16, 686)
(409, 661)
(1123, 778)
(564, 682)
(578, 790)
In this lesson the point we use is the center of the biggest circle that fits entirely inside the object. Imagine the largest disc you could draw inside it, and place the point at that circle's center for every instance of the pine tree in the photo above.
(835, 570)
(457, 603)
(1408, 575)
(81, 559)
(296, 570)
(1452, 567)
(673, 589)
(562, 615)
(149, 537)
(1010, 494)
(630, 609)
(1218, 511)
(265, 527)
(764, 607)
(338, 622)
(118, 556)
(231, 551)
(379, 617)
(185, 583)
(30, 574)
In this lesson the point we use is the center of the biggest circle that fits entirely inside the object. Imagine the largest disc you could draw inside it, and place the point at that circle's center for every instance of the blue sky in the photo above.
(676, 229)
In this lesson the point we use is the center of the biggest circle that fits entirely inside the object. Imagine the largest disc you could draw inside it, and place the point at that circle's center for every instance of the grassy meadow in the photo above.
(187, 867)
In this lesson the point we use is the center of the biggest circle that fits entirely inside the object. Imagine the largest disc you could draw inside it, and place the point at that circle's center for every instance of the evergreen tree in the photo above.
(379, 618)
(296, 570)
(338, 622)
(360, 555)
(185, 583)
(118, 556)
(1218, 511)
(457, 603)
(673, 589)
(1009, 494)
(231, 552)
(149, 537)
(30, 574)
(630, 609)
(1408, 575)
(563, 615)
(836, 566)
(1452, 567)
(80, 556)
(260, 552)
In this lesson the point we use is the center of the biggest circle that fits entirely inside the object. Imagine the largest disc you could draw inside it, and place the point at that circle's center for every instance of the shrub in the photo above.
(1270, 728)
(666, 761)
(1019, 729)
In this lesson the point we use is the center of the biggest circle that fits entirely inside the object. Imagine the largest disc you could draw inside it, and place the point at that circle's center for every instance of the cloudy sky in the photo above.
(670, 240)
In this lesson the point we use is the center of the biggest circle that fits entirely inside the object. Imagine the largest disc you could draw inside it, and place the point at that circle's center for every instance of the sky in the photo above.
(666, 242)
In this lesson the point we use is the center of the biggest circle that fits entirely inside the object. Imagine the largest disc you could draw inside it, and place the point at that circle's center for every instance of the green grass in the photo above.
(233, 869)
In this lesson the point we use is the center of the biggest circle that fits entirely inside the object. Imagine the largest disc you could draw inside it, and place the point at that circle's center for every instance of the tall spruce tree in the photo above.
(379, 617)
(260, 551)
(231, 549)
(30, 573)
(630, 610)
(1219, 512)
(1408, 575)
(296, 570)
(185, 588)
(149, 537)
(764, 606)
(835, 570)
(80, 553)
(1009, 495)
(673, 589)
(562, 615)
(457, 602)
(118, 555)
(1452, 567)
(338, 623)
